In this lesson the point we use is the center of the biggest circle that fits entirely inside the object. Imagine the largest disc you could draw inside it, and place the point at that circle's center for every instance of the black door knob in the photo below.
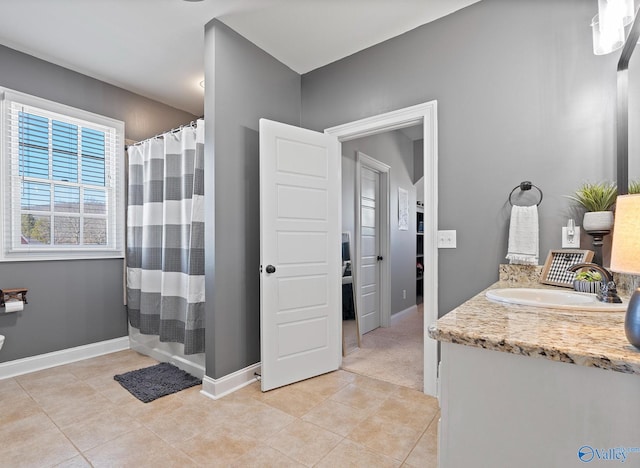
(270, 269)
(380, 258)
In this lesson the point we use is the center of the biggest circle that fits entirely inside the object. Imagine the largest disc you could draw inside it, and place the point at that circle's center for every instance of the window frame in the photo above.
(10, 214)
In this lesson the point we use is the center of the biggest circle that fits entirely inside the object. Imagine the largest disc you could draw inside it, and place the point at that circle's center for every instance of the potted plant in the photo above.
(597, 199)
(588, 281)
(634, 187)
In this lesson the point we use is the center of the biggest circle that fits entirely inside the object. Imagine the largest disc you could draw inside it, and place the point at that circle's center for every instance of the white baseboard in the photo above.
(397, 316)
(217, 388)
(64, 356)
(162, 355)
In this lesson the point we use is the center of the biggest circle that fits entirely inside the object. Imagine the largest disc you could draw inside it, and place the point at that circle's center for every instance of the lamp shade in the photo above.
(625, 249)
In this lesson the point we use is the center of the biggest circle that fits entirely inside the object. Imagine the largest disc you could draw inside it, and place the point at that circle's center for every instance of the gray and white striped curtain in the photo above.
(165, 238)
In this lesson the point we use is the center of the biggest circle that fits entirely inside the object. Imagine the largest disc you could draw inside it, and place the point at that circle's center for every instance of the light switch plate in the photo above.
(571, 243)
(447, 239)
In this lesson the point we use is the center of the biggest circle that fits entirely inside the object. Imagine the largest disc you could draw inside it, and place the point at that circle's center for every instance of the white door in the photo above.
(369, 312)
(300, 254)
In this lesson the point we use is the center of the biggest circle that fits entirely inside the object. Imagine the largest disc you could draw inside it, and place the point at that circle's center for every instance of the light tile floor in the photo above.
(393, 354)
(76, 416)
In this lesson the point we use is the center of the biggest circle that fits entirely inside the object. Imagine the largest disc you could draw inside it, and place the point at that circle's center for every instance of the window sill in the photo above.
(60, 257)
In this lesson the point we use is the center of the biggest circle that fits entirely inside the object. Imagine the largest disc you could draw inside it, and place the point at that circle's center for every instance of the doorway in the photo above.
(390, 349)
(425, 114)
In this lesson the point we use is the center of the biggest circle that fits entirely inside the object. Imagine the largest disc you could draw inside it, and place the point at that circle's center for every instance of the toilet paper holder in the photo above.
(15, 293)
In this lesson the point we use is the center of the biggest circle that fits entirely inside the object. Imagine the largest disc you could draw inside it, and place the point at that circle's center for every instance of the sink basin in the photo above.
(554, 299)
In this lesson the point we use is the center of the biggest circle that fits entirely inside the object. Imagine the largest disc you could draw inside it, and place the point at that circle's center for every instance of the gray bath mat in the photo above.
(156, 381)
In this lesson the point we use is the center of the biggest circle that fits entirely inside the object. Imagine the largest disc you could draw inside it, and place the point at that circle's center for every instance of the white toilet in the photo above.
(1, 341)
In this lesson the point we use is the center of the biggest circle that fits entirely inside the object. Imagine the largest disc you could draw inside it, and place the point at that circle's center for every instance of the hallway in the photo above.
(393, 354)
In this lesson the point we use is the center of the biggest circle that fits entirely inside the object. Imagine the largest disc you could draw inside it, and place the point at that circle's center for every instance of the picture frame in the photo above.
(403, 209)
(555, 267)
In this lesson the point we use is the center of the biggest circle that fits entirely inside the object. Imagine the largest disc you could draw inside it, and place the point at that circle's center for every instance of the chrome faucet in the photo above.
(608, 292)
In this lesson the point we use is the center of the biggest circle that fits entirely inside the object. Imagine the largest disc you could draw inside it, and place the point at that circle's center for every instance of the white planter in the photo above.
(597, 221)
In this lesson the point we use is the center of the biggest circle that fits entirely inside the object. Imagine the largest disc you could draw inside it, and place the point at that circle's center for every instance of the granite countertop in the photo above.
(592, 339)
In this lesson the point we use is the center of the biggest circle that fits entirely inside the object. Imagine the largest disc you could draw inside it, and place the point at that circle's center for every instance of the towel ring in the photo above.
(524, 186)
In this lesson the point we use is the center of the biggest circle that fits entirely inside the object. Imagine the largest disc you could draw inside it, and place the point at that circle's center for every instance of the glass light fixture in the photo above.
(616, 11)
(609, 25)
(625, 257)
(606, 40)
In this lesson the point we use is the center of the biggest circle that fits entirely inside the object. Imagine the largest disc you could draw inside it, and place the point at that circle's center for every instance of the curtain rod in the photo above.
(193, 123)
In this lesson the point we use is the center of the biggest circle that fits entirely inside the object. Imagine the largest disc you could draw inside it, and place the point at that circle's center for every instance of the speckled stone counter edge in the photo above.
(581, 338)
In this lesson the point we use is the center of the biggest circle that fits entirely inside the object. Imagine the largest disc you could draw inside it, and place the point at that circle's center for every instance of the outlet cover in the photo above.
(574, 241)
(447, 239)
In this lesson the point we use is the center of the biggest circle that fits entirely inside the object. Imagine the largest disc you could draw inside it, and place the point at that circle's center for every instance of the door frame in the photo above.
(384, 282)
(425, 114)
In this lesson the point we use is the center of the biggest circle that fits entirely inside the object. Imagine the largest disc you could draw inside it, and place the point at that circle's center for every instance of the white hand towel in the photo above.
(523, 235)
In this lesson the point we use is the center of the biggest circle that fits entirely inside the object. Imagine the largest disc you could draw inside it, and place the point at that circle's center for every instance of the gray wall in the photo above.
(520, 97)
(143, 117)
(246, 84)
(395, 150)
(73, 302)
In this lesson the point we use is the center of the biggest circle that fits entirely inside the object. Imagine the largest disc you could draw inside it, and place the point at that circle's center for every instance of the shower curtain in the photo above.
(165, 237)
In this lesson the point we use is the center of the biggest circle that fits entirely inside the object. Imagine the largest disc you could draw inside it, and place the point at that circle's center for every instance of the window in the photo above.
(63, 184)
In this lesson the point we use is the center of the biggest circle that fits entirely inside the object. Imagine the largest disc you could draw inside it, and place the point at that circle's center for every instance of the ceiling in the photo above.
(156, 47)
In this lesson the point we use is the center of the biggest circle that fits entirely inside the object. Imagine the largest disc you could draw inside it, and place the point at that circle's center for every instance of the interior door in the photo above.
(369, 313)
(300, 253)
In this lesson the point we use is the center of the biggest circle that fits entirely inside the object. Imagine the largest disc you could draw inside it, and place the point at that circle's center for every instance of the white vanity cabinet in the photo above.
(530, 387)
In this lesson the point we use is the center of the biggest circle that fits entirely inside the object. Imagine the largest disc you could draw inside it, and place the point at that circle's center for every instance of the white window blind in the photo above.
(63, 181)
